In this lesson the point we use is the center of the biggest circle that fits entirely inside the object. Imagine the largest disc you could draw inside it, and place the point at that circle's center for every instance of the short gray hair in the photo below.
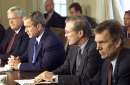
(19, 12)
(80, 23)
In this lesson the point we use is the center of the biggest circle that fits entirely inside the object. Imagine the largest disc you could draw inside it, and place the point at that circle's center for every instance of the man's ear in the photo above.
(118, 44)
(39, 26)
(81, 33)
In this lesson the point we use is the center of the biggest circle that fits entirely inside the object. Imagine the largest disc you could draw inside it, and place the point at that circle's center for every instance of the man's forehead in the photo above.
(103, 35)
(26, 21)
(12, 14)
(69, 24)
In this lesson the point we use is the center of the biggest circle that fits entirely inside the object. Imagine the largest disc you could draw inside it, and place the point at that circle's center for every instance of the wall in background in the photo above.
(89, 7)
(28, 5)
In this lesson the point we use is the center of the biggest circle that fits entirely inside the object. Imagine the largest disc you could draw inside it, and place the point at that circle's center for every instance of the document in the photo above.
(31, 82)
(25, 82)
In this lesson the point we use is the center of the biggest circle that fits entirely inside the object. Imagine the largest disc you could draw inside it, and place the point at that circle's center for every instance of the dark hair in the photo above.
(76, 6)
(113, 27)
(80, 24)
(127, 12)
(37, 18)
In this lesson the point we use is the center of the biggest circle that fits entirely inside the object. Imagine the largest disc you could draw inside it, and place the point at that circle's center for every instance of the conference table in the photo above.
(18, 75)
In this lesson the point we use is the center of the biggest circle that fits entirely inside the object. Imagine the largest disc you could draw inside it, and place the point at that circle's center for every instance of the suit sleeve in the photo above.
(63, 69)
(50, 56)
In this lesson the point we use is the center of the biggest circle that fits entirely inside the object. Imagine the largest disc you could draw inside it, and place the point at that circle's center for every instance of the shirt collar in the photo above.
(17, 31)
(39, 37)
(83, 46)
(113, 62)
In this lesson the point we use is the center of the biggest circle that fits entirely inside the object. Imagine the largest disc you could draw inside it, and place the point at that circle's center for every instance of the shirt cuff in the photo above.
(55, 78)
(18, 66)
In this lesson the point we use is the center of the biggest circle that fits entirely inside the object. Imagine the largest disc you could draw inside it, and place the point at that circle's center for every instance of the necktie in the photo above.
(11, 43)
(34, 51)
(78, 60)
(110, 68)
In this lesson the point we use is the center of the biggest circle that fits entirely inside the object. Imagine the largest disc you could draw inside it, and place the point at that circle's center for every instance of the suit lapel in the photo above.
(40, 43)
(73, 62)
(18, 38)
(84, 56)
(38, 49)
(121, 55)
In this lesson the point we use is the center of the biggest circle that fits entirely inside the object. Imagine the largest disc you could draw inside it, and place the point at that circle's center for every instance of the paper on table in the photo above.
(25, 82)
(30, 82)
(5, 68)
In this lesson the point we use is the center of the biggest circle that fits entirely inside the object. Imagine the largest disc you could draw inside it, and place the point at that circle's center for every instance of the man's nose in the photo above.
(98, 47)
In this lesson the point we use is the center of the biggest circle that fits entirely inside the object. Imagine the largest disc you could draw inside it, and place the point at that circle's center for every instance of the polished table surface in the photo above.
(16, 75)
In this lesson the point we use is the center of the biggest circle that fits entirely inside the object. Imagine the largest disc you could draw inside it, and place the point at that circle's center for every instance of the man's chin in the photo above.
(103, 57)
(30, 36)
(12, 28)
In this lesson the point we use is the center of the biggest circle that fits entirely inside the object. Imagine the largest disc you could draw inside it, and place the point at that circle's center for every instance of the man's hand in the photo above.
(13, 62)
(46, 75)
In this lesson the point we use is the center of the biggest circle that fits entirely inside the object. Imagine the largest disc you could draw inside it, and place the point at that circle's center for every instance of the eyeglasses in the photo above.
(67, 32)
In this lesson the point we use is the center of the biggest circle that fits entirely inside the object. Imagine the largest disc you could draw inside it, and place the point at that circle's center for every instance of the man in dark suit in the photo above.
(53, 19)
(83, 62)
(45, 50)
(14, 45)
(116, 67)
(76, 10)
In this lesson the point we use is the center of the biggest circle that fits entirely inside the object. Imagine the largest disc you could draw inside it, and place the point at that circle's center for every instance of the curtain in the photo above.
(38, 5)
(109, 9)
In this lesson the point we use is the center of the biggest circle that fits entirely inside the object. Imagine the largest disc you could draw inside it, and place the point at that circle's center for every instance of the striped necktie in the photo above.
(12, 40)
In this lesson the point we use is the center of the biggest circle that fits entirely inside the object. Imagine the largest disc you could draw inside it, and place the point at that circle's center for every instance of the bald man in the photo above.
(53, 19)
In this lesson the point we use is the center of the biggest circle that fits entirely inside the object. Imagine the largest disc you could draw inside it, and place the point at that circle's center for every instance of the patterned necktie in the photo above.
(11, 43)
(34, 51)
(110, 69)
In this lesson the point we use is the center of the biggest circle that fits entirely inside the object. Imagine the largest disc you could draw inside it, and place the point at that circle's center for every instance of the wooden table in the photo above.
(17, 75)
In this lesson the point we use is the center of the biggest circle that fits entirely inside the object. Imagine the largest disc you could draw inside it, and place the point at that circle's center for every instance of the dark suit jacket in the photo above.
(122, 69)
(88, 74)
(19, 46)
(56, 21)
(2, 32)
(92, 23)
(50, 54)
